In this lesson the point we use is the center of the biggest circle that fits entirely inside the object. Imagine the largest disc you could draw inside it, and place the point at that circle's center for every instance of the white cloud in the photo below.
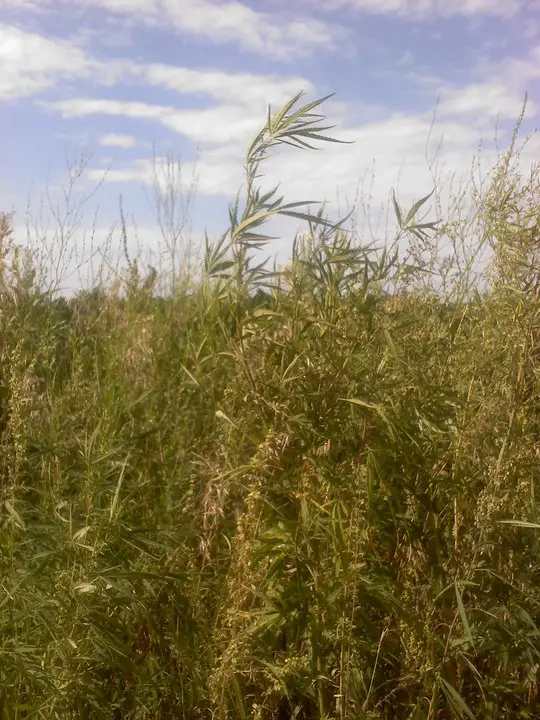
(230, 21)
(398, 144)
(264, 33)
(417, 9)
(139, 171)
(218, 172)
(115, 140)
(31, 63)
(80, 107)
(480, 7)
(479, 100)
(396, 141)
(244, 98)
(19, 4)
(146, 7)
(497, 90)
(244, 88)
(212, 125)
(513, 72)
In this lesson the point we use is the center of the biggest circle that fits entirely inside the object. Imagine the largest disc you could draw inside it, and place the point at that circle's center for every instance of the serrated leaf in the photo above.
(15, 515)
(417, 205)
(266, 313)
(306, 216)
(80, 534)
(190, 375)
(520, 523)
(397, 209)
(463, 616)
(458, 704)
(304, 110)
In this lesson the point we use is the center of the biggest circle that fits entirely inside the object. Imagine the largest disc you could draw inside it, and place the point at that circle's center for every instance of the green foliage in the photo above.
(275, 495)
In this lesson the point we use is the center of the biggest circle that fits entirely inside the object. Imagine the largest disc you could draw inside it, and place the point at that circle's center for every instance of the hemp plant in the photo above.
(230, 256)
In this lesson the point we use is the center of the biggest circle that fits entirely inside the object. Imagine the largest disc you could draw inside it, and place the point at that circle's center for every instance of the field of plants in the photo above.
(310, 492)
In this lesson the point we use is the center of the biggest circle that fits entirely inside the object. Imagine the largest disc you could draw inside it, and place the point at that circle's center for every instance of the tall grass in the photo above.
(276, 495)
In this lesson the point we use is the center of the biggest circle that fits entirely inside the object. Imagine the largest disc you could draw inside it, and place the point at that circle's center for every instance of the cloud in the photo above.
(233, 21)
(213, 125)
(19, 4)
(31, 63)
(269, 34)
(237, 104)
(480, 7)
(497, 89)
(243, 99)
(146, 7)
(476, 105)
(513, 72)
(114, 140)
(396, 141)
(80, 107)
(316, 176)
(218, 172)
(259, 32)
(420, 9)
(397, 148)
(479, 100)
(244, 88)
(138, 171)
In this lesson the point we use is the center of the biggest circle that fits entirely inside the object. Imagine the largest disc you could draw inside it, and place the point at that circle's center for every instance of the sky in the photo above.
(105, 89)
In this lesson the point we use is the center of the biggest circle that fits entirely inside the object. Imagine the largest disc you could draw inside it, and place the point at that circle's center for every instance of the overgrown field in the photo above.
(306, 495)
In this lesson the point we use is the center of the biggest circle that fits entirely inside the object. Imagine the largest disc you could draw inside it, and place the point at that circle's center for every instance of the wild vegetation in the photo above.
(302, 493)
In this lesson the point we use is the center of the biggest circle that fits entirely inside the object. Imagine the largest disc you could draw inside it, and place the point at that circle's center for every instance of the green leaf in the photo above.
(190, 375)
(520, 523)
(397, 209)
(278, 116)
(298, 144)
(372, 406)
(220, 414)
(222, 266)
(253, 221)
(239, 698)
(306, 216)
(458, 704)
(309, 106)
(417, 205)
(14, 515)
(463, 616)
(261, 312)
(289, 206)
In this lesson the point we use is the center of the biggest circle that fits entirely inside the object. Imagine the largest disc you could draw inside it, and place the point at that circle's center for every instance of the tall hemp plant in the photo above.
(231, 258)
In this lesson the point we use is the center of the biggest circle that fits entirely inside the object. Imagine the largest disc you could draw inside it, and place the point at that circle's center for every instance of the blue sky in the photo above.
(122, 81)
